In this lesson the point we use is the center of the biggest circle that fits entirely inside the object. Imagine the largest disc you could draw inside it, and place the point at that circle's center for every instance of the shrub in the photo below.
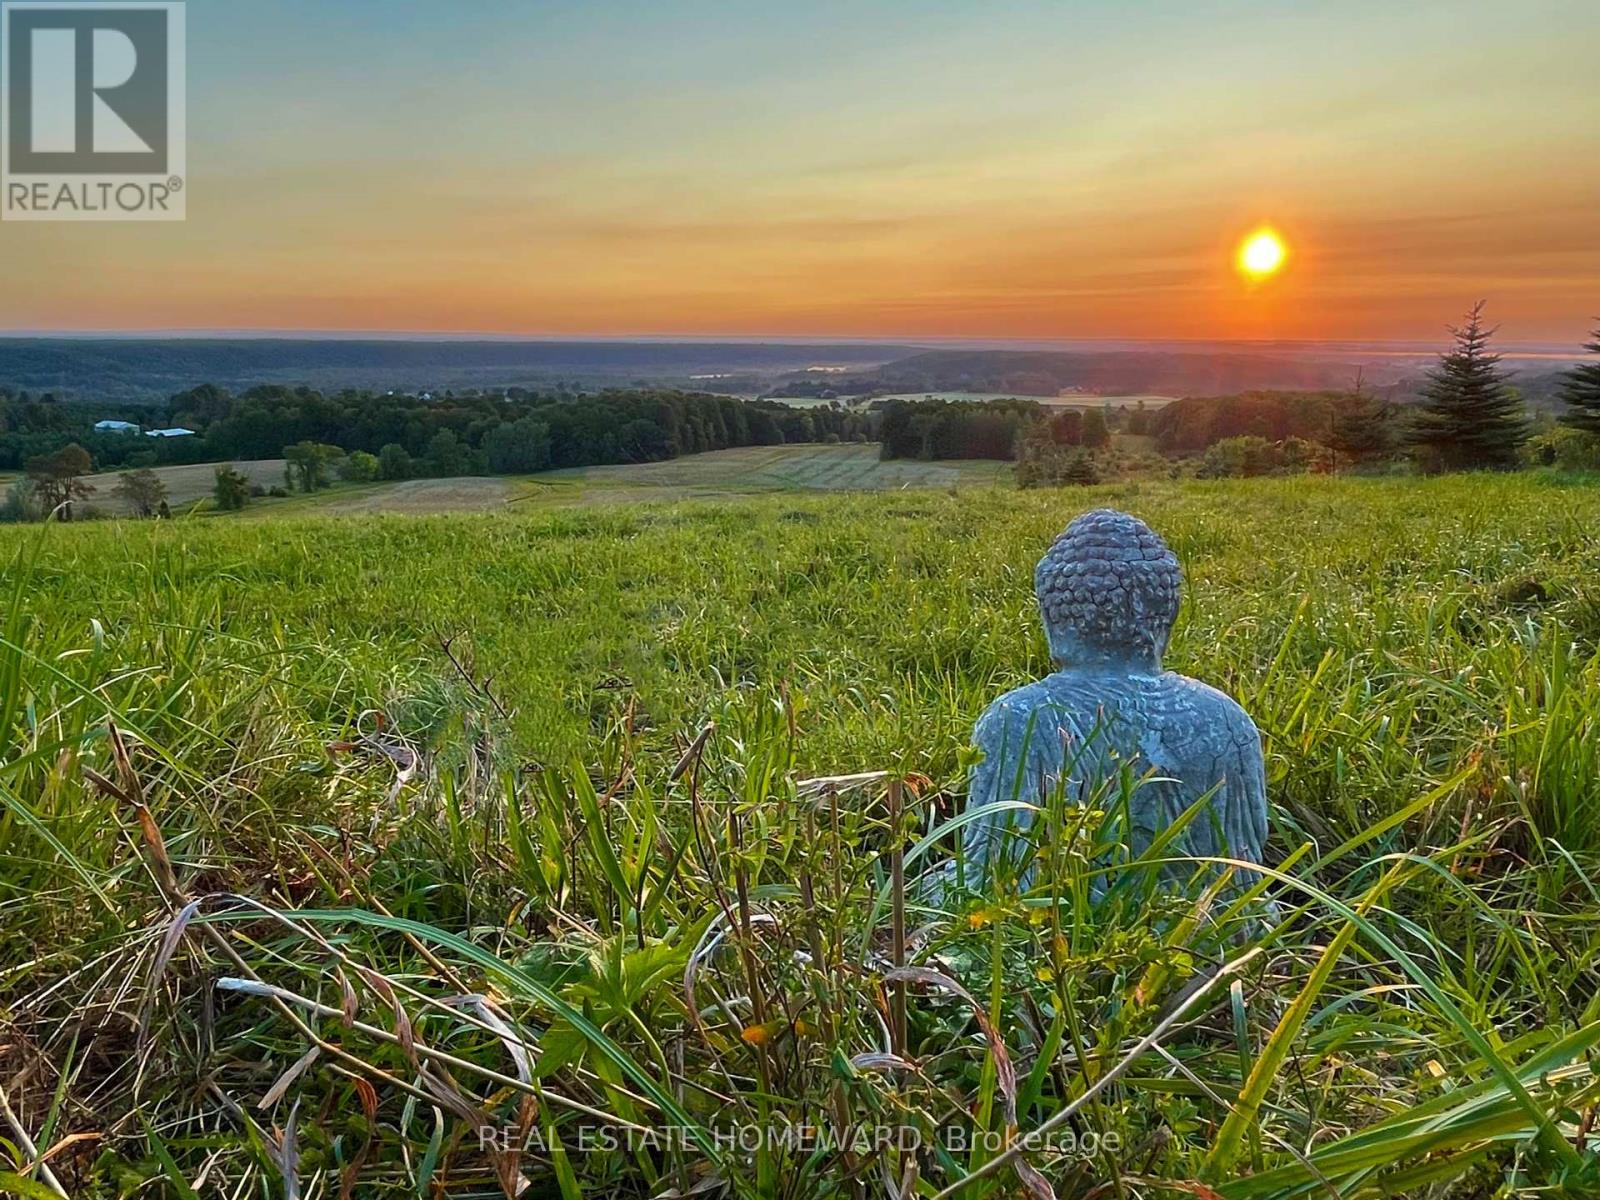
(359, 467)
(231, 489)
(1042, 461)
(20, 503)
(1245, 457)
(1239, 457)
(1565, 447)
(1300, 454)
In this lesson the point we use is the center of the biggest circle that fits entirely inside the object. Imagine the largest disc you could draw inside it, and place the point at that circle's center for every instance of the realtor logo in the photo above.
(93, 111)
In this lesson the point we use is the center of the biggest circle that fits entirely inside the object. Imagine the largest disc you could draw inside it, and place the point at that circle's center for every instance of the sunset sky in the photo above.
(1049, 170)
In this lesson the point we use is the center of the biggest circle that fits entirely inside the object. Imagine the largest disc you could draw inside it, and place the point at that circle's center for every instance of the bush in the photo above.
(20, 504)
(1042, 461)
(1081, 470)
(1246, 457)
(1565, 447)
(360, 467)
(231, 489)
(1298, 454)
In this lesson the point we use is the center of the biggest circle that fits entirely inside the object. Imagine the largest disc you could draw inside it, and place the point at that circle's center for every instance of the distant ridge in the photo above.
(128, 369)
(154, 368)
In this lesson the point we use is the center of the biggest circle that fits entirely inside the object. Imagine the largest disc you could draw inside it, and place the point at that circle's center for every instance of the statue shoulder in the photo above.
(1186, 699)
(1018, 702)
(1011, 714)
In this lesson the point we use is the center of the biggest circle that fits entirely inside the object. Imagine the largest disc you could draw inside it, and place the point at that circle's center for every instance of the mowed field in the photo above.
(756, 469)
(751, 470)
(185, 485)
(1070, 400)
(504, 804)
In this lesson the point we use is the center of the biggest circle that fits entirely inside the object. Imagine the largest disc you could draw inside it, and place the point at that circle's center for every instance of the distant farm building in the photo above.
(177, 431)
(115, 427)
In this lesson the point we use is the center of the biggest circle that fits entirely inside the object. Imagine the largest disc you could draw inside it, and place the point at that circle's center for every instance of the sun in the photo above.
(1261, 254)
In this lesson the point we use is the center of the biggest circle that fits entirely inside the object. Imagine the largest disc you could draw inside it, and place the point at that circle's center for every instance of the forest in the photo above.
(516, 431)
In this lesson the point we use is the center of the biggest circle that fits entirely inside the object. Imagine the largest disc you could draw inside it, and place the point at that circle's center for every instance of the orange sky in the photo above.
(1027, 170)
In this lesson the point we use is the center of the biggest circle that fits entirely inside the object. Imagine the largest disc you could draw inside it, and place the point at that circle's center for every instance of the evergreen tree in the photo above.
(1081, 469)
(1358, 428)
(1470, 417)
(1581, 391)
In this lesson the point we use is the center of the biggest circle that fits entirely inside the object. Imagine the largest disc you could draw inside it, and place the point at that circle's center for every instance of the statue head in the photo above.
(1108, 591)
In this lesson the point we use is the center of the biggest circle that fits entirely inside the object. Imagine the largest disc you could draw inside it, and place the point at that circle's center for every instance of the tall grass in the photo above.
(323, 845)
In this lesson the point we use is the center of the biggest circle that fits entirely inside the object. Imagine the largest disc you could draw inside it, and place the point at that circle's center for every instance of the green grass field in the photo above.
(264, 824)
(758, 469)
(753, 470)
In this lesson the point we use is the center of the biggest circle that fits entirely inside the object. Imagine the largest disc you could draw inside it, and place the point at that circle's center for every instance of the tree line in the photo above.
(937, 429)
(1469, 417)
(365, 435)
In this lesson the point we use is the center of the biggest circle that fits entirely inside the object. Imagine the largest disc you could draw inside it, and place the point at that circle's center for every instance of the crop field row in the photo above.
(745, 471)
(777, 468)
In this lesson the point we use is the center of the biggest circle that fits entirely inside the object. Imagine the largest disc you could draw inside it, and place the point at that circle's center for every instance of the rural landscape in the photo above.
(519, 609)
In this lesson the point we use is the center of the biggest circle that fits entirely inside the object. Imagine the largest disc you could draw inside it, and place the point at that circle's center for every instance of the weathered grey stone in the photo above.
(1108, 591)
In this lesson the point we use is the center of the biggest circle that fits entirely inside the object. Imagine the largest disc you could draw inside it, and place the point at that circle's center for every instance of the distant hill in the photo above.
(1045, 373)
(117, 371)
(141, 369)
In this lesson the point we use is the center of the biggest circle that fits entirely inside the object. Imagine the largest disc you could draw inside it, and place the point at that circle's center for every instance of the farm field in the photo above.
(1085, 400)
(1129, 401)
(669, 931)
(752, 470)
(756, 469)
(720, 473)
(185, 485)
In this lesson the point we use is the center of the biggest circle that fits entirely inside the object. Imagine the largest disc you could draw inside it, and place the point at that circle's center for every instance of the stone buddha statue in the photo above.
(1108, 591)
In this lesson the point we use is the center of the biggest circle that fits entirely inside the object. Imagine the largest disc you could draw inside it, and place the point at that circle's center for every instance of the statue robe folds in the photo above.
(1178, 738)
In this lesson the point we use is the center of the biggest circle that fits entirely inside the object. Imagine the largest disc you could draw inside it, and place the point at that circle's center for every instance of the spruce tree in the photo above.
(1581, 391)
(1470, 418)
(1081, 469)
(1359, 426)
